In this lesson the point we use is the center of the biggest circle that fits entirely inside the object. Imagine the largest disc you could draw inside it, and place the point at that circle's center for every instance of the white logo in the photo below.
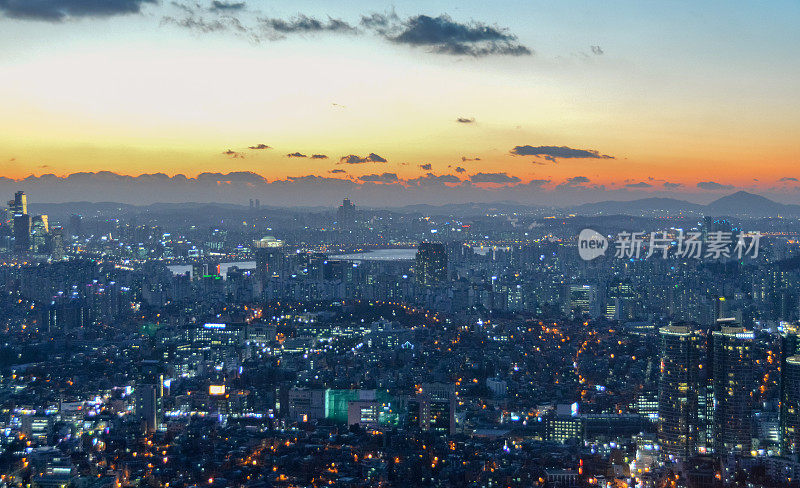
(591, 244)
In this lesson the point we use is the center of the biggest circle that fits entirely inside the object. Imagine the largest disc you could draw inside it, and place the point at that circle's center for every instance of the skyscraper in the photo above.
(734, 382)
(19, 205)
(268, 253)
(22, 222)
(790, 407)
(678, 424)
(431, 263)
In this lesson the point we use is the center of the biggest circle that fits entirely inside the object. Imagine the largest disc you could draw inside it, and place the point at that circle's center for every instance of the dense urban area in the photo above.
(180, 345)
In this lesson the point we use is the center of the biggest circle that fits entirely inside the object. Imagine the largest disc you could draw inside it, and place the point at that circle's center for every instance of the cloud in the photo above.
(499, 178)
(382, 178)
(640, 184)
(713, 185)
(465, 120)
(233, 154)
(459, 169)
(353, 159)
(236, 177)
(464, 159)
(426, 166)
(597, 50)
(259, 146)
(296, 155)
(205, 26)
(788, 178)
(431, 179)
(553, 153)
(319, 156)
(337, 170)
(60, 10)
(672, 186)
(443, 35)
(217, 6)
(304, 24)
(576, 181)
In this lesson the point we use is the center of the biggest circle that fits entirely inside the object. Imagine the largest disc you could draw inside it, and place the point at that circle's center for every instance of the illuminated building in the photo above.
(678, 424)
(733, 389)
(790, 407)
(431, 263)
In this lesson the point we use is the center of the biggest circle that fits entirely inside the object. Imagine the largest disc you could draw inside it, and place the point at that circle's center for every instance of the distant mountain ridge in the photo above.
(739, 204)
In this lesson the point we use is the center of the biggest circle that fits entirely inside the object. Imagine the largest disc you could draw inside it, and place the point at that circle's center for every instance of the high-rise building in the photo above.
(431, 263)
(40, 229)
(56, 244)
(150, 393)
(437, 403)
(268, 252)
(22, 233)
(19, 205)
(790, 393)
(347, 212)
(734, 383)
(22, 222)
(679, 384)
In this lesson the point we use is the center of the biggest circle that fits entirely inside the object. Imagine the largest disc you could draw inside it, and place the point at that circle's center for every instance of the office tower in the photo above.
(22, 233)
(56, 243)
(22, 222)
(437, 404)
(150, 392)
(790, 407)
(733, 385)
(19, 205)
(75, 225)
(347, 212)
(39, 233)
(431, 263)
(268, 253)
(582, 299)
(679, 383)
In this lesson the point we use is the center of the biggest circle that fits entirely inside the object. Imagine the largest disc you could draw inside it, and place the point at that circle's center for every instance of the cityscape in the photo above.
(381, 244)
(374, 347)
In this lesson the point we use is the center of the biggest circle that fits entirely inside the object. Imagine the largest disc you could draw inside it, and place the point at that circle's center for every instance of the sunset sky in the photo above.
(622, 98)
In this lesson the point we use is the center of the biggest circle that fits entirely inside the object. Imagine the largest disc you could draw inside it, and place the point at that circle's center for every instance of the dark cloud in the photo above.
(217, 6)
(205, 26)
(353, 159)
(597, 50)
(713, 185)
(788, 178)
(236, 177)
(337, 171)
(319, 156)
(426, 166)
(233, 154)
(553, 153)
(459, 169)
(305, 24)
(431, 179)
(465, 120)
(672, 186)
(443, 35)
(576, 181)
(640, 184)
(296, 155)
(259, 146)
(464, 159)
(500, 178)
(59, 10)
(382, 178)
